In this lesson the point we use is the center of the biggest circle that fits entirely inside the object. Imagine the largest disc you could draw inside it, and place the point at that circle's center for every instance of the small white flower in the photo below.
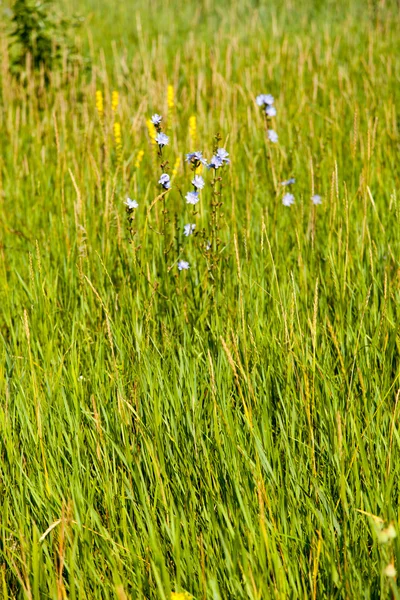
(131, 204)
(192, 197)
(290, 181)
(208, 246)
(156, 119)
(183, 265)
(272, 136)
(390, 571)
(288, 200)
(162, 139)
(189, 229)
(270, 111)
(316, 199)
(198, 182)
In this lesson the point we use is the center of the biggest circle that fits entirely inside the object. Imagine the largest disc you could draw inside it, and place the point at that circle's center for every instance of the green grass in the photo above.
(229, 431)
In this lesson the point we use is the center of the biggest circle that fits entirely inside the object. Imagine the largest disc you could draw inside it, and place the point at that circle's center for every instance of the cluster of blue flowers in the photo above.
(218, 160)
(288, 198)
(266, 102)
(195, 160)
(161, 139)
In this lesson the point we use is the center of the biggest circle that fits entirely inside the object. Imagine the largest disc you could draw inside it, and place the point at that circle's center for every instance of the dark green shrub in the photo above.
(40, 32)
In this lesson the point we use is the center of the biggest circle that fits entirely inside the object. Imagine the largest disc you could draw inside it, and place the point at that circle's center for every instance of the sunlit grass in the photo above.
(233, 433)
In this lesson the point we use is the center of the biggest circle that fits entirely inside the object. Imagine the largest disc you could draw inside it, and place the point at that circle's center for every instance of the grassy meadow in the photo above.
(230, 430)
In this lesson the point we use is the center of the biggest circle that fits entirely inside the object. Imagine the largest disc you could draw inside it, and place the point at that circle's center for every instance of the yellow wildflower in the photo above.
(114, 101)
(118, 139)
(170, 96)
(180, 596)
(176, 166)
(139, 158)
(151, 130)
(192, 129)
(99, 103)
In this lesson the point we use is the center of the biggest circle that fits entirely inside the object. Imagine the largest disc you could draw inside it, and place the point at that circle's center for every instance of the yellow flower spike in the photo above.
(99, 103)
(139, 158)
(151, 130)
(114, 101)
(192, 130)
(176, 166)
(117, 134)
(180, 596)
(118, 139)
(170, 96)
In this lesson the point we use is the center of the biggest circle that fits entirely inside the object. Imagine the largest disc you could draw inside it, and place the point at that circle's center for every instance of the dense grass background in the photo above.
(163, 432)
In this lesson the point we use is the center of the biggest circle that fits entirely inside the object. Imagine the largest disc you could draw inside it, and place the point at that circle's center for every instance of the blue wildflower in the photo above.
(264, 100)
(272, 136)
(162, 139)
(156, 119)
(215, 162)
(165, 181)
(288, 200)
(131, 204)
(219, 158)
(189, 229)
(183, 265)
(196, 158)
(198, 182)
(192, 197)
(223, 155)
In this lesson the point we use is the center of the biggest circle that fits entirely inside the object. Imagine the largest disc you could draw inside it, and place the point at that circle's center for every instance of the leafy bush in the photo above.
(41, 33)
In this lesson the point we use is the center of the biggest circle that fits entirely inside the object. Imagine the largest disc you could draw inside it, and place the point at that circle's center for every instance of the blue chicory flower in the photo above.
(198, 182)
(131, 204)
(192, 197)
(165, 181)
(162, 139)
(272, 136)
(183, 265)
(288, 200)
(196, 157)
(156, 119)
(189, 229)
